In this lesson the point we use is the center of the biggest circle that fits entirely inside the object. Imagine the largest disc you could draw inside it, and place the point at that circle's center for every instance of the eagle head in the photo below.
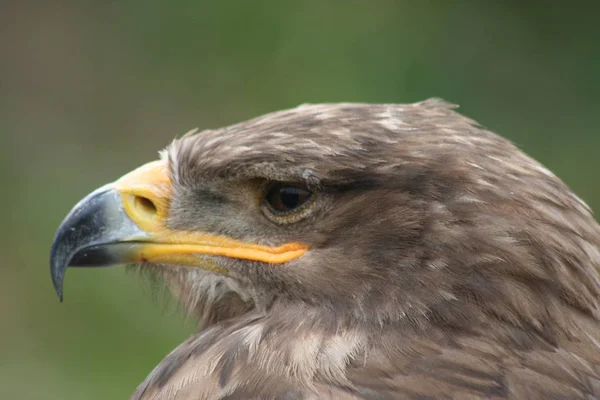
(359, 218)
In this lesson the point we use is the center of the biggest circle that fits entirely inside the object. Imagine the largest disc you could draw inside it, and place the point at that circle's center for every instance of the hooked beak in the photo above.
(125, 222)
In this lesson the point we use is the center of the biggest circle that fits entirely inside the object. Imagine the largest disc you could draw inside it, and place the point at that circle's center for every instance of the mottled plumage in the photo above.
(443, 263)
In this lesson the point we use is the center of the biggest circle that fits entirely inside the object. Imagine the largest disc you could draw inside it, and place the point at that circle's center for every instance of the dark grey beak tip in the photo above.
(57, 282)
(58, 265)
(91, 235)
(58, 278)
(81, 228)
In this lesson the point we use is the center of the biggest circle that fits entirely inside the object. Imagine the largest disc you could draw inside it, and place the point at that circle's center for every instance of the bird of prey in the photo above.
(356, 251)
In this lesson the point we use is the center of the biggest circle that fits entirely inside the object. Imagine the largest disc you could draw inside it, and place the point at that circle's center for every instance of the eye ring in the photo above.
(287, 202)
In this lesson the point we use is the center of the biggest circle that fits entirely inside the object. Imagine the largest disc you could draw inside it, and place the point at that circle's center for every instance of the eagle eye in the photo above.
(286, 199)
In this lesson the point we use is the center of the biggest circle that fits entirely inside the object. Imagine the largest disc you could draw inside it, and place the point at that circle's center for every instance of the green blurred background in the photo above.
(91, 89)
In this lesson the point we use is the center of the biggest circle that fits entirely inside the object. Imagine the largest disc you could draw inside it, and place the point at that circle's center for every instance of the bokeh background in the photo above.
(91, 89)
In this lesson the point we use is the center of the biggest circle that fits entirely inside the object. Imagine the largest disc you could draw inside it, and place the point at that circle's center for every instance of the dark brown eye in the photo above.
(286, 198)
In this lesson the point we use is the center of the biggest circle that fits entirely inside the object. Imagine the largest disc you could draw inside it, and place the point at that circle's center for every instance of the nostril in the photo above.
(145, 205)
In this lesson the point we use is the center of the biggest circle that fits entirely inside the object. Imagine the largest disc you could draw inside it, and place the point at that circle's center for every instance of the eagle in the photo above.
(356, 251)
